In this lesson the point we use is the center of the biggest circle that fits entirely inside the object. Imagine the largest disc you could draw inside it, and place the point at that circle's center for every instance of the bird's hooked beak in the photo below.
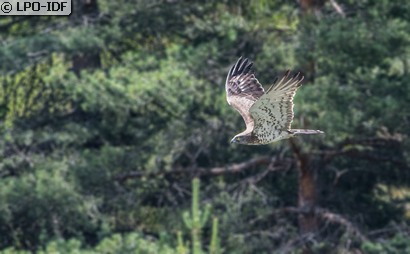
(235, 140)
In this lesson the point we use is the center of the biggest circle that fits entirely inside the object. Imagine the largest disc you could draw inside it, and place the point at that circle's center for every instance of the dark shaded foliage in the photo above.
(108, 114)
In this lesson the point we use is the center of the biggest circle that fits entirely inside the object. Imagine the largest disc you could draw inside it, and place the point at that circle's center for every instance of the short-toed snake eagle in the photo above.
(267, 115)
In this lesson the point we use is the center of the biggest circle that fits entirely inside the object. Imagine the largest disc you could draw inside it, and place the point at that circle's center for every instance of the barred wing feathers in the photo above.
(243, 90)
(273, 112)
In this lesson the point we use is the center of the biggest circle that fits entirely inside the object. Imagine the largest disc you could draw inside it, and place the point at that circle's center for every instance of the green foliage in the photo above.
(98, 108)
(43, 204)
(181, 247)
(214, 247)
(117, 243)
(398, 244)
(196, 222)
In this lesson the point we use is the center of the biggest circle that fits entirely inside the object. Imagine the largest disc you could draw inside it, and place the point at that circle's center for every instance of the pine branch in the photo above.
(339, 219)
(228, 169)
(371, 149)
(330, 217)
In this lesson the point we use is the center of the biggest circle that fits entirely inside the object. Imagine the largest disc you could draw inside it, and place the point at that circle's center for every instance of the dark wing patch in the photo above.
(242, 90)
(242, 82)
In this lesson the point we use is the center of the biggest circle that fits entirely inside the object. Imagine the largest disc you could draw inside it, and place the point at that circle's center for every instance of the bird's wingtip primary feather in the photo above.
(242, 66)
(296, 75)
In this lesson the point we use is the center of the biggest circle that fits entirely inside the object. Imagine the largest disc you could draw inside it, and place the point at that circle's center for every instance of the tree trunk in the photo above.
(307, 198)
(308, 223)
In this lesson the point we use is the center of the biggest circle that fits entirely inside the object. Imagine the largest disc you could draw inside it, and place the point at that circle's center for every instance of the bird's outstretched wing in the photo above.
(273, 112)
(243, 89)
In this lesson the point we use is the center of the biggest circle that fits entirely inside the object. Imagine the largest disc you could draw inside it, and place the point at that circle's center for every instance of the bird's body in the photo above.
(267, 115)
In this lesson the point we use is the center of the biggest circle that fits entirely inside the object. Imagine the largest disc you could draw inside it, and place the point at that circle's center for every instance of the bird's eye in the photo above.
(238, 138)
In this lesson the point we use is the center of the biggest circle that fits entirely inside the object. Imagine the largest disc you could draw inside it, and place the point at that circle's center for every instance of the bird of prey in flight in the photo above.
(267, 115)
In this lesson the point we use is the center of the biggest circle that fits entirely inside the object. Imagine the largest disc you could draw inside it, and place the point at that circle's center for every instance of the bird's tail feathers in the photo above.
(303, 131)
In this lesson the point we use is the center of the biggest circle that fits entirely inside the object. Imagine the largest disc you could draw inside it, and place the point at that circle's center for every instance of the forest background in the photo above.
(108, 114)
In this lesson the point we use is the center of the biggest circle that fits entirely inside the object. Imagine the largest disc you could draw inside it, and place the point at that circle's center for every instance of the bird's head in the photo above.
(240, 139)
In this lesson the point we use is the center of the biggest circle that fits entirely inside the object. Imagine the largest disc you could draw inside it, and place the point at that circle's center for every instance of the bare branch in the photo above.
(372, 149)
(229, 169)
(330, 217)
(321, 212)
(339, 219)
